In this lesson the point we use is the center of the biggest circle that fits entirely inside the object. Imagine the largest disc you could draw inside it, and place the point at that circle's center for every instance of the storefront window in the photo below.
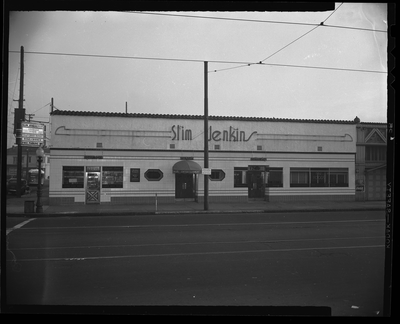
(319, 178)
(153, 175)
(112, 177)
(339, 177)
(72, 177)
(217, 175)
(299, 177)
(240, 177)
(274, 177)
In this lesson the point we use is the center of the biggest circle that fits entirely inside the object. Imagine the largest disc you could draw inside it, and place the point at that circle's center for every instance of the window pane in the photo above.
(240, 177)
(153, 175)
(339, 177)
(112, 177)
(299, 177)
(319, 178)
(73, 177)
(217, 175)
(274, 177)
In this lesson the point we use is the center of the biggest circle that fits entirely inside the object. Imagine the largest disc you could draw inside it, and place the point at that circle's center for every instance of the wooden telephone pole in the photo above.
(19, 116)
(206, 134)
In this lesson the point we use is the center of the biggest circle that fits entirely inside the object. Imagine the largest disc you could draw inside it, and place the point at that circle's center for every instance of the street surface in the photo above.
(333, 259)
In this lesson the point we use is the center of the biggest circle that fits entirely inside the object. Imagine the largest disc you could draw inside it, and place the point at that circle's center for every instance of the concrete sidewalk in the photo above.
(16, 207)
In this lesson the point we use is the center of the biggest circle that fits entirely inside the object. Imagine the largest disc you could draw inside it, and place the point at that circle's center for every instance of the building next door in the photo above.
(256, 182)
(376, 184)
(93, 182)
(185, 186)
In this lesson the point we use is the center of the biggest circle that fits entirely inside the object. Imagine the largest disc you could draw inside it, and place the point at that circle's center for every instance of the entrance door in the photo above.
(184, 185)
(256, 184)
(92, 187)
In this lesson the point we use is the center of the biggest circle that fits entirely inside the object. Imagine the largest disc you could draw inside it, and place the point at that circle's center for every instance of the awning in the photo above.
(186, 166)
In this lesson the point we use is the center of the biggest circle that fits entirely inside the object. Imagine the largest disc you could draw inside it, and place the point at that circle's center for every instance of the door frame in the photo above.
(92, 196)
(261, 170)
(179, 181)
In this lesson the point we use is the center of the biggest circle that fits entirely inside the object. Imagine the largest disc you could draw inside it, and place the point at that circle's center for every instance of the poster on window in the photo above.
(135, 175)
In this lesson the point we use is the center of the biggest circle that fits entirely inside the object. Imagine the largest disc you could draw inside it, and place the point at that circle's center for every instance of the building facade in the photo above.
(371, 161)
(130, 158)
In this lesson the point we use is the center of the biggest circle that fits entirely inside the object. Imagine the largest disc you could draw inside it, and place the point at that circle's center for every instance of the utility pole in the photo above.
(19, 116)
(51, 105)
(206, 134)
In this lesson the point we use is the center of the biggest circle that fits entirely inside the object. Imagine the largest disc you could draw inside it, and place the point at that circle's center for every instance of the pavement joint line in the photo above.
(145, 212)
(118, 246)
(202, 253)
(209, 224)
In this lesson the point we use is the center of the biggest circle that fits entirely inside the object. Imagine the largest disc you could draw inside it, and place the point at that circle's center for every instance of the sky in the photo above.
(279, 88)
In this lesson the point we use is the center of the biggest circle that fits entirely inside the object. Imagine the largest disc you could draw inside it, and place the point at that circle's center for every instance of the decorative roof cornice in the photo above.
(174, 116)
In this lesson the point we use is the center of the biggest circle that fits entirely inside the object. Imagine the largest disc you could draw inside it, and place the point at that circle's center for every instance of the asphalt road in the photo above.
(333, 259)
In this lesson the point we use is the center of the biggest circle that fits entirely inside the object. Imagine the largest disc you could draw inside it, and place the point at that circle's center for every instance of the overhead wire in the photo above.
(41, 107)
(192, 60)
(321, 24)
(239, 64)
(287, 45)
(251, 20)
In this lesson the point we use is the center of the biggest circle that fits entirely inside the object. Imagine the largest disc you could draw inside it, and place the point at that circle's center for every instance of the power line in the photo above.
(42, 107)
(124, 57)
(290, 43)
(253, 20)
(197, 61)
(321, 24)
(287, 45)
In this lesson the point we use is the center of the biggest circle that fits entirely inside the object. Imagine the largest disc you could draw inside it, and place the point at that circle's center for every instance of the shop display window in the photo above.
(339, 177)
(73, 177)
(112, 177)
(274, 177)
(299, 177)
(319, 177)
(240, 177)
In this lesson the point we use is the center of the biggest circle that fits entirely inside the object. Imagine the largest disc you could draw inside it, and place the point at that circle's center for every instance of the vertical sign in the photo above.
(32, 134)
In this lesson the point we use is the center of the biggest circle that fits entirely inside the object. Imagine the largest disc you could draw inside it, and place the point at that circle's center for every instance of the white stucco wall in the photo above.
(159, 133)
(145, 143)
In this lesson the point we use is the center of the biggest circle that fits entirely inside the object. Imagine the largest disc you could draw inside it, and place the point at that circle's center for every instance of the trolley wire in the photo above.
(252, 20)
(194, 61)
(287, 45)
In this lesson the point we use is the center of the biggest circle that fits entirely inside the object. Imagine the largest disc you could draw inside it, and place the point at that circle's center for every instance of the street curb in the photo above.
(187, 212)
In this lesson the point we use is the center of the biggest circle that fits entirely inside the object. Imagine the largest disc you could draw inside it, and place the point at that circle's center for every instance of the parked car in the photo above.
(12, 186)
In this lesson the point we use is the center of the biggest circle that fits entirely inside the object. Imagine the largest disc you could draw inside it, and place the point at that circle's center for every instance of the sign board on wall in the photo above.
(135, 175)
(32, 134)
(206, 171)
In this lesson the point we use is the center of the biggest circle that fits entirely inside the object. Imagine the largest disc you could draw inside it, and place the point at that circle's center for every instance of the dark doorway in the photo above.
(185, 185)
(256, 184)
